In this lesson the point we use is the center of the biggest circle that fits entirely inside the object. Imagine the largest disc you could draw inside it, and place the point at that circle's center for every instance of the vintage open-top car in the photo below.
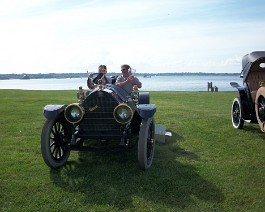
(104, 118)
(250, 105)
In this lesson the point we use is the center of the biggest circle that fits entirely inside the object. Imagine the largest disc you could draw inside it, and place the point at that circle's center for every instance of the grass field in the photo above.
(206, 165)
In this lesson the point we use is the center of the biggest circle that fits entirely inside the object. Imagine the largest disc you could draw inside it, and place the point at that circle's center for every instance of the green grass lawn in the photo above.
(206, 165)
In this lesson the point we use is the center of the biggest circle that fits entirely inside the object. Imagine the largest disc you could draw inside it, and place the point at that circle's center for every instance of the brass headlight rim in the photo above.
(116, 108)
(81, 110)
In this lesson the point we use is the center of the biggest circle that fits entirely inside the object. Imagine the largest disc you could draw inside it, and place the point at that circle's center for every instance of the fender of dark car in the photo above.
(146, 110)
(53, 111)
(245, 98)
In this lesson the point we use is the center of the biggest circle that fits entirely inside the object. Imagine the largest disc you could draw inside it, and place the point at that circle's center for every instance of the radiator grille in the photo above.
(98, 121)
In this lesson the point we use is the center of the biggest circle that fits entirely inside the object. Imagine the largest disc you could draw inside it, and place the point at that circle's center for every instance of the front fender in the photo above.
(146, 110)
(235, 85)
(248, 111)
(53, 111)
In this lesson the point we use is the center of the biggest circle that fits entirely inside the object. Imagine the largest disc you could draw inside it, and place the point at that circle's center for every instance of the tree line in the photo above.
(85, 75)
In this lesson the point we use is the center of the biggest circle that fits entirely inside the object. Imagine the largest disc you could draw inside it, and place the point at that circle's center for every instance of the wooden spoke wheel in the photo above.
(55, 138)
(260, 107)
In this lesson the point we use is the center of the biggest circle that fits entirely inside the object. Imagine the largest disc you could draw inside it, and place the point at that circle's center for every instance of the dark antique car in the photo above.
(250, 105)
(107, 117)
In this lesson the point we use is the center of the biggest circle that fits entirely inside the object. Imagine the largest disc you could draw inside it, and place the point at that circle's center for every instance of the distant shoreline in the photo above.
(84, 75)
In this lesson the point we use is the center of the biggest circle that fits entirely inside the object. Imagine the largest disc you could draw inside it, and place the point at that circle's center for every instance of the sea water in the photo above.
(154, 83)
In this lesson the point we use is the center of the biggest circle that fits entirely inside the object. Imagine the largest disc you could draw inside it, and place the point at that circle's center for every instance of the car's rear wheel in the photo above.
(260, 107)
(146, 143)
(236, 114)
(55, 138)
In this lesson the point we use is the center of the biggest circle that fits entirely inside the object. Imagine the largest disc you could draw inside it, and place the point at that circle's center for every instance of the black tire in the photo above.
(55, 137)
(260, 107)
(236, 114)
(146, 143)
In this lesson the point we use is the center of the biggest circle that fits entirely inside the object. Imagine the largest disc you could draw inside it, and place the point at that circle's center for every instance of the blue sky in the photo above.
(53, 36)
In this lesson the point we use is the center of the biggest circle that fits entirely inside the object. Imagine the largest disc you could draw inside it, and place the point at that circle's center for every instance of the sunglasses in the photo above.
(124, 69)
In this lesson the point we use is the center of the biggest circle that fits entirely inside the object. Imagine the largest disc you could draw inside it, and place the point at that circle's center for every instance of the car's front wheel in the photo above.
(260, 107)
(55, 138)
(236, 114)
(146, 143)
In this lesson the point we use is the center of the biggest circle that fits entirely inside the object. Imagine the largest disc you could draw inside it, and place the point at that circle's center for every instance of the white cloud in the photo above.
(16, 8)
(151, 36)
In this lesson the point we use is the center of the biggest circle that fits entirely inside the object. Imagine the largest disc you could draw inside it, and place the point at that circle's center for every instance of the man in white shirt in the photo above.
(127, 80)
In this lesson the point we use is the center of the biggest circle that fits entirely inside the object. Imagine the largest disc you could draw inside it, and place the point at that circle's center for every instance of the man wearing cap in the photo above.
(127, 80)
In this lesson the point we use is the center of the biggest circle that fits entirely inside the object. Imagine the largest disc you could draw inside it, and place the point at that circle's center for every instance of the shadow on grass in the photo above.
(253, 128)
(116, 180)
(171, 142)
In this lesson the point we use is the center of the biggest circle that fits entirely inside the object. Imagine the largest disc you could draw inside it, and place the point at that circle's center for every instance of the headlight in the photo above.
(74, 113)
(123, 113)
